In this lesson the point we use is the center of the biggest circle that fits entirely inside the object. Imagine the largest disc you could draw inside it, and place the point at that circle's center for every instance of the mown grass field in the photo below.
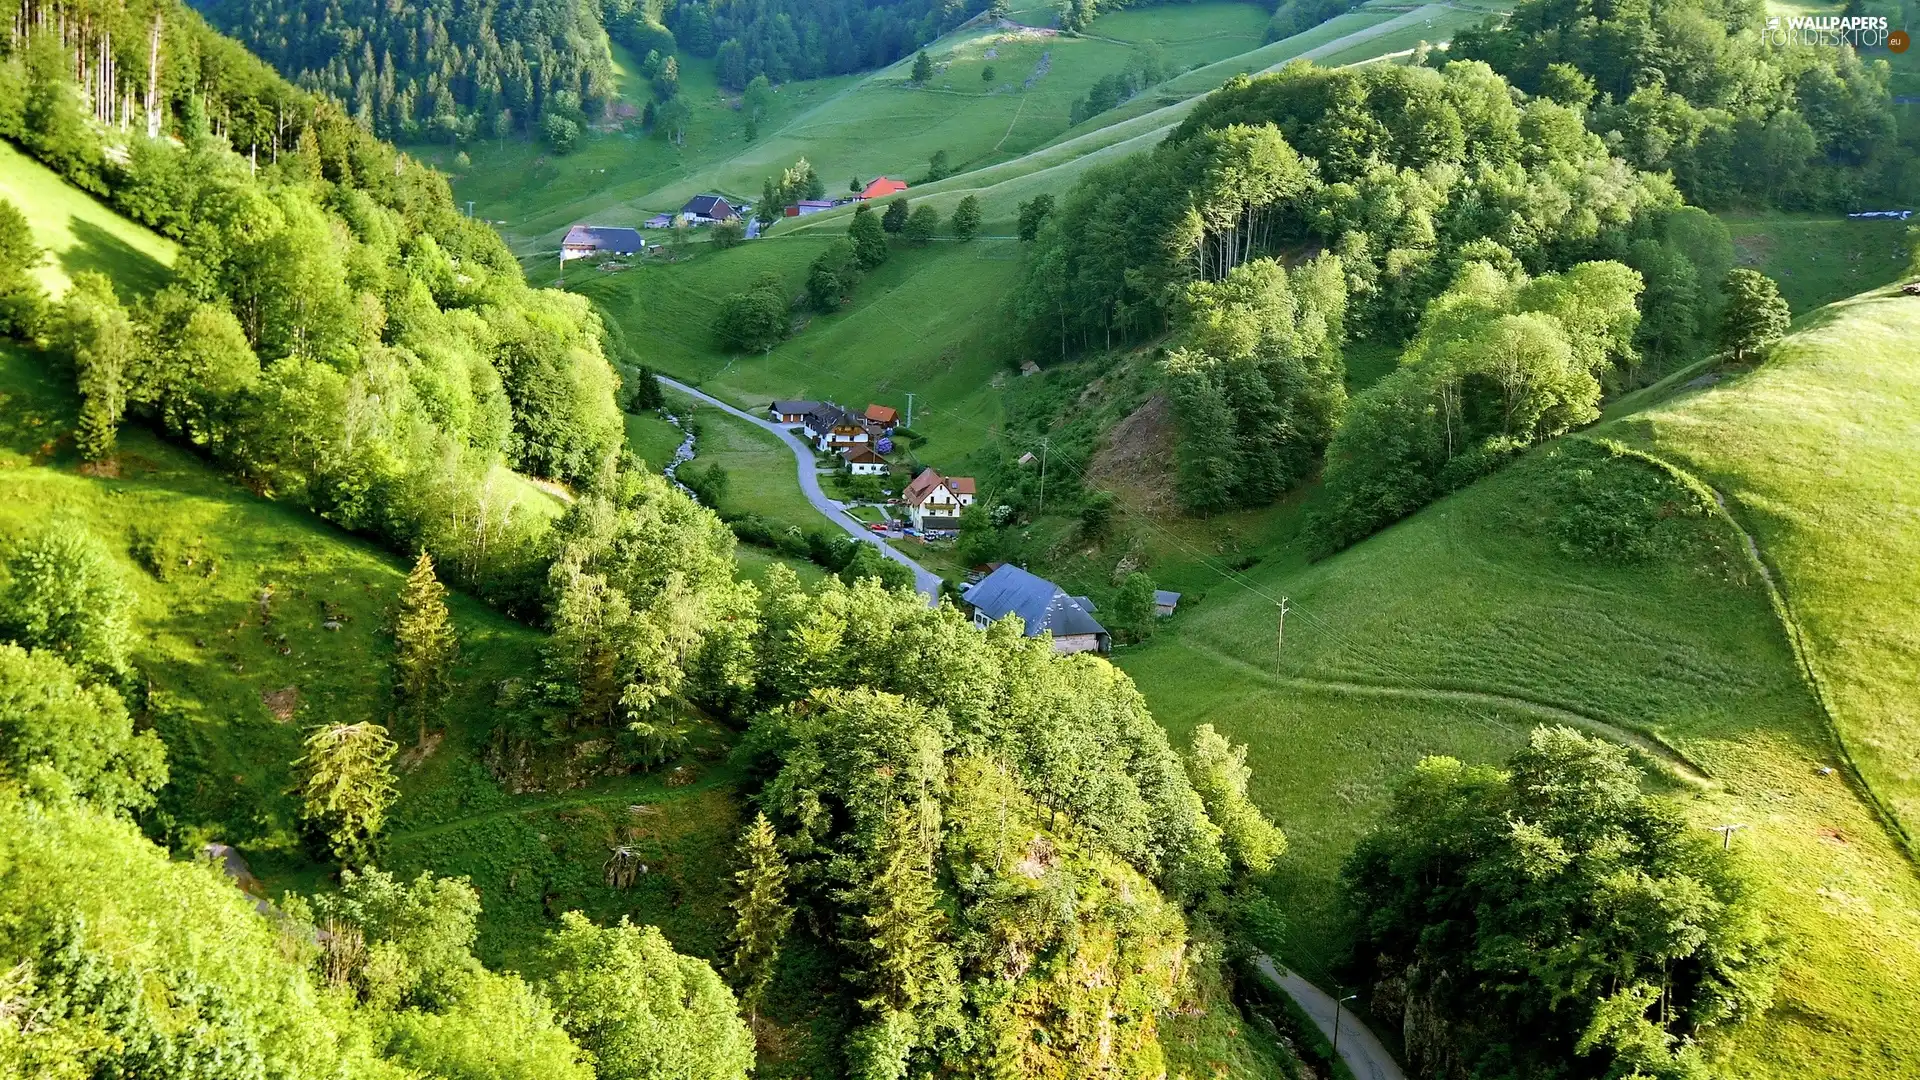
(652, 438)
(1818, 454)
(759, 467)
(79, 233)
(1819, 259)
(1457, 630)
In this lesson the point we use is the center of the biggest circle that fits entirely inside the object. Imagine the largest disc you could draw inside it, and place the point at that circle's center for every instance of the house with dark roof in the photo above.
(1165, 602)
(834, 428)
(808, 206)
(1042, 607)
(791, 412)
(934, 501)
(586, 241)
(707, 209)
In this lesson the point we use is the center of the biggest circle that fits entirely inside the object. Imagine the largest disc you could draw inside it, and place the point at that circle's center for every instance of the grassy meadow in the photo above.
(1817, 452)
(1460, 628)
(760, 469)
(78, 232)
(1819, 259)
(925, 321)
(623, 178)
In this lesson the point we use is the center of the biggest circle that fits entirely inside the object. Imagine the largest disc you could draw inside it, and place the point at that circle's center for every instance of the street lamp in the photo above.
(1336, 1024)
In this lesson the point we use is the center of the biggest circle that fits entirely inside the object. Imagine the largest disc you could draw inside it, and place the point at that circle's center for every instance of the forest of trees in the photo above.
(1292, 214)
(334, 331)
(435, 71)
(1693, 87)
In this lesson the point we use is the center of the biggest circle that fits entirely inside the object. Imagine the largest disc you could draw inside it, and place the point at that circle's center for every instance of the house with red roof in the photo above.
(883, 187)
(934, 501)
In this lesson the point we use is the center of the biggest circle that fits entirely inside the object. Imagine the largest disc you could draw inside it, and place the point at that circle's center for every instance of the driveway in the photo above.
(1362, 1052)
(924, 580)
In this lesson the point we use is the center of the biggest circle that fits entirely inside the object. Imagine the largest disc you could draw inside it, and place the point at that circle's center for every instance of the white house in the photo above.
(586, 241)
(934, 501)
(862, 461)
(834, 428)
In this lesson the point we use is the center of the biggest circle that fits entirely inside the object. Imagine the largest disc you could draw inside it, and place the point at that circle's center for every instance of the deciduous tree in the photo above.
(895, 218)
(921, 224)
(63, 594)
(966, 217)
(1755, 316)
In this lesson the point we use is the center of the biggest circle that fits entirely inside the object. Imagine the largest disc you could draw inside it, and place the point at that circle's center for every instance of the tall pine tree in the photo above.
(900, 931)
(424, 646)
(761, 913)
(346, 786)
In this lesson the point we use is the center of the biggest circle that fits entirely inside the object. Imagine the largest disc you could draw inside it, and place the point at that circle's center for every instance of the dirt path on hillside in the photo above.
(1666, 758)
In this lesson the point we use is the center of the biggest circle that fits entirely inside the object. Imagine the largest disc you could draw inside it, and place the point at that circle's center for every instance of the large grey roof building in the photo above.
(1041, 605)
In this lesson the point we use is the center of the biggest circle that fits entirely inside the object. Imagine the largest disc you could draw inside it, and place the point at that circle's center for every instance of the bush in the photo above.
(727, 234)
(560, 133)
(755, 320)
(1614, 507)
(63, 594)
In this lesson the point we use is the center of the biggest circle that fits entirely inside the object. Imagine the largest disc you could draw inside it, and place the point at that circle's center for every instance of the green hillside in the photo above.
(77, 232)
(1817, 453)
(1460, 628)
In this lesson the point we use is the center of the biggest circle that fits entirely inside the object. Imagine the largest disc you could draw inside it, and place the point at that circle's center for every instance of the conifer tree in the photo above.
(761, 913)
(922, 66)
(96, 332)
(900, 932)
(424, 645)
(346, 786)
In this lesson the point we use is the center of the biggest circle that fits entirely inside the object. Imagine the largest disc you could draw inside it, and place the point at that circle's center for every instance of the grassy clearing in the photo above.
(236, 682)
(1818, 260)
(78, 232)
(652, 438)
(1458, 629)
(760, 470)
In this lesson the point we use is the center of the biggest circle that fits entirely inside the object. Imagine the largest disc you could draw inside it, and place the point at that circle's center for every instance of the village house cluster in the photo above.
(588, 241)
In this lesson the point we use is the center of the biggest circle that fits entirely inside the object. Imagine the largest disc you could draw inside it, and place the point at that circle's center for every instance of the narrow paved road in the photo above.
(1359, 1047)
(924, 579)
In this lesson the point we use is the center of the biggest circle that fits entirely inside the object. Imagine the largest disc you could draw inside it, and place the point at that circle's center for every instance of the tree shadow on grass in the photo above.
(134, 272)
(37, 403)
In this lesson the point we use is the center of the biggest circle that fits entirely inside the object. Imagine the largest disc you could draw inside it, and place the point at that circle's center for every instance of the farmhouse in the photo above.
(791, 412)
(883, 417)
(808, 206)
(883, 187)
(660, 221)
(1042, 606)
(862, 461)
(834, 428)
(707, 209)
(934, 501)
(585, 241)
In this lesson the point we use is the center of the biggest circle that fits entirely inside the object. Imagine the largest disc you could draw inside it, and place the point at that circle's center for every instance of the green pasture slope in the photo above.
(1818, 259)
(866, 125)
(78, 232)
(1457, 630)
(1817, 453)
(759, 467)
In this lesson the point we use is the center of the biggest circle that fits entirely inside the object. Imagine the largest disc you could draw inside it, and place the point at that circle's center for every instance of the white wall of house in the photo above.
(1075, 643)
(867, 468)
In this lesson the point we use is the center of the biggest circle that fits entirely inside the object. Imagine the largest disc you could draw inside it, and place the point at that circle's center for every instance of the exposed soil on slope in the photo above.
(1136, 461)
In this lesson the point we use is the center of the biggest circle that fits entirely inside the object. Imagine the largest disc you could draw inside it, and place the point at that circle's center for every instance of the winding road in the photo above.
(925, 580)
(1359, 1047)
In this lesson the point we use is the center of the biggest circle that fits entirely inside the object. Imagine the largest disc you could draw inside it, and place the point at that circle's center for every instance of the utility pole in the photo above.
(1280, 635)
(1043, 476)
(1726, 835)
(1336, 1023)
(909, 412)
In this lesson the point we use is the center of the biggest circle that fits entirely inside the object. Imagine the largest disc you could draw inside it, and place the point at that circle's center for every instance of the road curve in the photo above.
(924, 579)
(1359, 1047)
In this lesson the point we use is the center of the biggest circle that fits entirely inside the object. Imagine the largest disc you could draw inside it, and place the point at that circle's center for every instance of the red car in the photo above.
(878, 526)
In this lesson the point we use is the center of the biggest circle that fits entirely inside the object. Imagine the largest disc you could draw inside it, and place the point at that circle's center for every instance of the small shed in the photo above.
(1165, 602)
